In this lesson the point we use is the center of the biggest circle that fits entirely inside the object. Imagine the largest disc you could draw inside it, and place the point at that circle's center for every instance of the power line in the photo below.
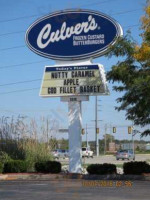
(131, 26)
(2, 110)
(16, 91)
(22, 64)
(124, 12)
(119, 13)
(15, 47)
(10, 33)
(35, 15)
(20, 82)
(97, 3)
(9, 111)
(18, 18)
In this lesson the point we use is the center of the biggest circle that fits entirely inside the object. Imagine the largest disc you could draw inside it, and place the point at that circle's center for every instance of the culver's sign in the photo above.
(73, 35)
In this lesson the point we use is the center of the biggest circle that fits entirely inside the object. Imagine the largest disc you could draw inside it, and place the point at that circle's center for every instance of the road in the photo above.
(71, 190)
(109, 159)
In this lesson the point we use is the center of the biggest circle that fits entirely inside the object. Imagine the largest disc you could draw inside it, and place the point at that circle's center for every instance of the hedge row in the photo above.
(48, 167)
(132, 168)
(102, 169)
(20, 166)
(15, 166)
(136, 168)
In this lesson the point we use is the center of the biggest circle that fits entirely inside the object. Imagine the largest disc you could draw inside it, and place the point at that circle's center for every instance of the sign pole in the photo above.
(75, 142)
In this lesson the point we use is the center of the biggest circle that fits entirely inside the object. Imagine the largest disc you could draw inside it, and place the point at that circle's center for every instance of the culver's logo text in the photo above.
(45, 36)
(73, 35)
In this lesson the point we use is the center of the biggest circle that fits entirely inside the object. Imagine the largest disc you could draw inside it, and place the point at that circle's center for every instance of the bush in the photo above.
(4, 157)
(40, 166)
(53, 167)
(1, 167)
(15, 166)
(35, 152)
(102, 169)
(136, 168)
(48, 167)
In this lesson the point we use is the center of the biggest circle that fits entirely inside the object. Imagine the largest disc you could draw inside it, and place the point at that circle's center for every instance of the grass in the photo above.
(148, 160)
(142, 152)
(119, 165)
(85, 165)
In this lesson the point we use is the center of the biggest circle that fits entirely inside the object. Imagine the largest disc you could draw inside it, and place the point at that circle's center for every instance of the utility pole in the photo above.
(47, 130)
(87, 136)
(105, 139)
(133, 140)
(111, 132)
(96, 127)
(96, 134)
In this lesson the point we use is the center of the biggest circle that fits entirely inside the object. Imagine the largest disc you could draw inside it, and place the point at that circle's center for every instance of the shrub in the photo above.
(4, 157)
(136, 168)
(35, 152)
(1, 167)
(15, 166)
(48, 167)
(53, 167)
(40, 166)
(102, 169)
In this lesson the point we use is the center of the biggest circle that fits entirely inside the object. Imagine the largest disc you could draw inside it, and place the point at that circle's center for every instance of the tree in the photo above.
(132, 74)
(63, 144)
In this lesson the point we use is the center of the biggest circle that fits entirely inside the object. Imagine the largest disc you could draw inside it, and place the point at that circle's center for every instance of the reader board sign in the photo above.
(60, 81)
(73, 34)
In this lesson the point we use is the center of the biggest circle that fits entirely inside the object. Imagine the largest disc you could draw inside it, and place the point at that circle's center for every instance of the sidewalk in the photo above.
(40, 176)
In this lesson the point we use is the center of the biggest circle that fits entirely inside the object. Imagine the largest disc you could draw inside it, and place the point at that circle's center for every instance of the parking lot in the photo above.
(109, 159)
(72, 190)
(112, 159)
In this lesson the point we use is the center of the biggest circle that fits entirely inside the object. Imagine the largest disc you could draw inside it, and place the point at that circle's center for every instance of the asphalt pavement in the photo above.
(112, 159)
(109, 159)
(73, 189)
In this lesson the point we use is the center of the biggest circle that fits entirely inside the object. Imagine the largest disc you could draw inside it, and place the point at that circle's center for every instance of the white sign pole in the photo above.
(75, 141)
(75, 127)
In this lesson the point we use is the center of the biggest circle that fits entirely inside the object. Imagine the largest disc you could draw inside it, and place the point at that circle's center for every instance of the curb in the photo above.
(30, 176)
(50, 177)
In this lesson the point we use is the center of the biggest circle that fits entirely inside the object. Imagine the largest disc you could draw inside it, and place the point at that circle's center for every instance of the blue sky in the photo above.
(18, 63)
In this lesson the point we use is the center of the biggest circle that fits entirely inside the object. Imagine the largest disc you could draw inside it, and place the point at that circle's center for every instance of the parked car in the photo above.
(125, 154)
(60, 153)
(86, 152)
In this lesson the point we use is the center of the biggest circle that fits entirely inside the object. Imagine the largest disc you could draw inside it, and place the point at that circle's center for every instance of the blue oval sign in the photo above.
(73, 34)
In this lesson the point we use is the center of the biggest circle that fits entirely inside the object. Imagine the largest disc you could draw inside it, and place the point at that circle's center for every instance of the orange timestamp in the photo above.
(106, 183)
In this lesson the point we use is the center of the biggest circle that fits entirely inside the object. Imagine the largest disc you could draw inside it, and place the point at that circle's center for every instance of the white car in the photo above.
(86, 152)
(60, 153)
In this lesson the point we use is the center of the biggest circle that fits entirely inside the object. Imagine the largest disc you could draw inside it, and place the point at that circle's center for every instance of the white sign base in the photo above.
(75, 98)
(75, 141)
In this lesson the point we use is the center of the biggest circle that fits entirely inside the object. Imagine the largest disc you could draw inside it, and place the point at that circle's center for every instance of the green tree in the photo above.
(132, 74)
(63, 143)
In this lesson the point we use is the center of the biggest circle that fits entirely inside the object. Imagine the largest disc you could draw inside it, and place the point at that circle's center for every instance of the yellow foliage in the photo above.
(145, 21)
(146, 18)
(142, 53)
(137, 47)
(148, 10)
